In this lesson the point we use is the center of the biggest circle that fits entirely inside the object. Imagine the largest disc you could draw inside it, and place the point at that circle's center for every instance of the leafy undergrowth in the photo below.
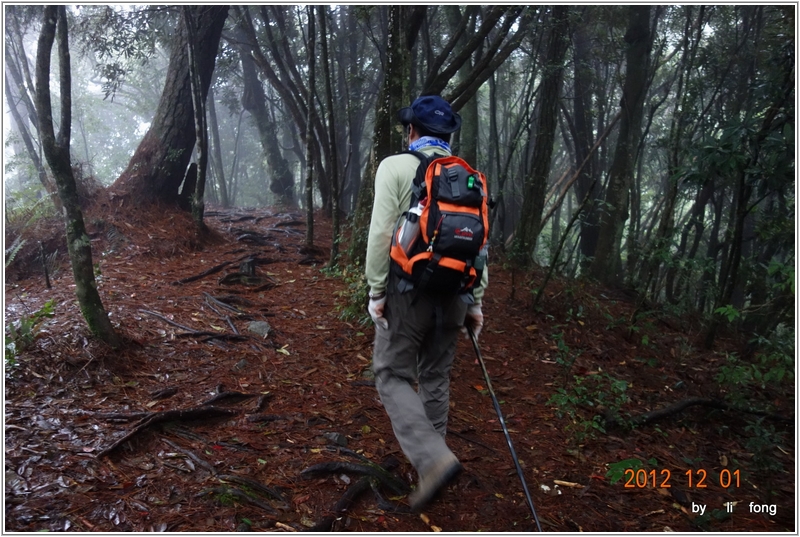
(569, 377)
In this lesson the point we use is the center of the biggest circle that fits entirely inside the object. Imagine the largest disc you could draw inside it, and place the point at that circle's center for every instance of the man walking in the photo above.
(416, 329)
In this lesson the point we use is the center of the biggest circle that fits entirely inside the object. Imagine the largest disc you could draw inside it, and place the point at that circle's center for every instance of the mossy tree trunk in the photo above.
(200, 127)
(387, 136)
(56, 150)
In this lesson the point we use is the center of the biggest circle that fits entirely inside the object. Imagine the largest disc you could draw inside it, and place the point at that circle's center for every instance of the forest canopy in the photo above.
(650, 147)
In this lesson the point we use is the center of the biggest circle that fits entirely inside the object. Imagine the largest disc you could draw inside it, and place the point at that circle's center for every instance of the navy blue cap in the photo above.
(432, 113)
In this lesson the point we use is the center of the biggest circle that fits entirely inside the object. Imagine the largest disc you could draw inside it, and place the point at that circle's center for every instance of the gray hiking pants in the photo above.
(418, 348)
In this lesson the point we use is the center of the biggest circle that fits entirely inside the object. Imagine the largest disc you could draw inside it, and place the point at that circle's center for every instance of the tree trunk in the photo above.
(665, 231)
(536, 184)
(334, 164)
(200, 127)
(56, 150)
(605, 266)
(278, 31)
(41, 173)
(254, 100)
(157, 168)
(386, 139)
(465, 141)
(312, 72)
(216, 156)
(17, 67)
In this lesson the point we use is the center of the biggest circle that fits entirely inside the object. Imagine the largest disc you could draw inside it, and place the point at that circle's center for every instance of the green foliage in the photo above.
(773, 365)
(11, 251)
(21, 334)
(616, 470)
(600, 392)
(352, 301)
(783, 276)
(761, 443)
(26, 206)
(729, 312)
(564, 355)
(770, 369)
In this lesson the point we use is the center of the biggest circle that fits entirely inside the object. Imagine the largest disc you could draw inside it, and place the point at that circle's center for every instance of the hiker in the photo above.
(416, 329)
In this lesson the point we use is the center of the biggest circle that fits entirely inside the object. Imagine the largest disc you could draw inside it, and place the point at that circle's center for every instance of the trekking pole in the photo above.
(503, 424)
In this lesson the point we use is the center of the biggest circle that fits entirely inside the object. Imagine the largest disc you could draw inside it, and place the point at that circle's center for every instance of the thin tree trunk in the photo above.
(606, 264)
(334, 164)
(536, 185)
(41, 173)
(56, 150)
(219, 169)
(312, 37)
(200, 128)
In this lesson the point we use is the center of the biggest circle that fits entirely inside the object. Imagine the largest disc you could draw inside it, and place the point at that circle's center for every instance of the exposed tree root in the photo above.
(372, 478)
(259, 418)
(262, 402)
(344, 503)
(233, 492)
(164, 393)
(209, 336)
(158, 417)
(680, 406)
(235, 278)
(369, 469)
(255, 486)
(222, 304)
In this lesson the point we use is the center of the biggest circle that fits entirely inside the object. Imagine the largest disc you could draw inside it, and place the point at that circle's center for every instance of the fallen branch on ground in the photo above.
(468, 439)
(229, 397)
(212, 270)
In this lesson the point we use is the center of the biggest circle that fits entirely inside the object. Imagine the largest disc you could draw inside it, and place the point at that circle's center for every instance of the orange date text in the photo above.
(699, 478)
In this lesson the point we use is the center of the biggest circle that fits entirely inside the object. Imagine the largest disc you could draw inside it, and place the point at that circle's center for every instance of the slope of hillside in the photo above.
(202, 424)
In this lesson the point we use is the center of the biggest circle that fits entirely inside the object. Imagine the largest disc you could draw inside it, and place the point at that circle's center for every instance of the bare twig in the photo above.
(192, 455)
(168, 321)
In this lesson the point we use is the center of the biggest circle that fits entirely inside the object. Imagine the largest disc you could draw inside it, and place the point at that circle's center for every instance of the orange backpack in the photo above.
(440, 243)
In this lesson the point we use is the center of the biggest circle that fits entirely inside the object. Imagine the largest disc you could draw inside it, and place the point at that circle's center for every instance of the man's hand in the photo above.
(474, 319)
(376, 311)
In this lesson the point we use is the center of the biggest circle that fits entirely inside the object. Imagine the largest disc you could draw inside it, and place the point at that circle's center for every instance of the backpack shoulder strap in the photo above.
(418, 186)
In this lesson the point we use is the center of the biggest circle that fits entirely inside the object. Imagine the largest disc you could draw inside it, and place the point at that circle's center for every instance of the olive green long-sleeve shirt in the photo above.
(393, 182)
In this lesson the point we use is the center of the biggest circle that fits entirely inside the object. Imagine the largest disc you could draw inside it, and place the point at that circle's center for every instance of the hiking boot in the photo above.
(435, 478)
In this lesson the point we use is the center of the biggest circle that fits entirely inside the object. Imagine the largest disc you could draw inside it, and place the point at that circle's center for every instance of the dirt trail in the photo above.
(259, 410)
